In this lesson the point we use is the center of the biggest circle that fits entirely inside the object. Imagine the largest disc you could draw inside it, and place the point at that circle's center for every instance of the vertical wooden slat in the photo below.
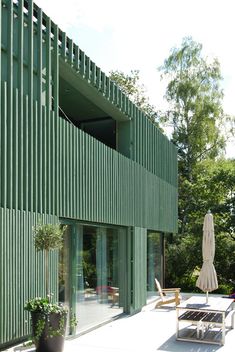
(81, 172)
(5, 276)
(87, 145)
(48, 67)
(115, 94)
(64, 149)
(70, 53)
(3, 132)
(9, 99)
(107, 90)
(63, 46)
(55, 172)
(39, 62)
(48, 113)
(30, 101)
(64, 167)
(87, 68)
(20, 100)
(82, 63)
(111, 96)
(35, 158)
(76, 58)
(1, 144)
(93, 73)
(0, 72)
(103, 83)
(120, 99)
(70, 170)
(49, 161)
(43, 156)
(39, 105)
(15, 161)
(76, 173)
(2, 262)
(98, 78)
(59, 166)
(25, 136)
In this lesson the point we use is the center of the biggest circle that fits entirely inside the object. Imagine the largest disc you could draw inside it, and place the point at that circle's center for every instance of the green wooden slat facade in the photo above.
(19, 266)
(52, 170)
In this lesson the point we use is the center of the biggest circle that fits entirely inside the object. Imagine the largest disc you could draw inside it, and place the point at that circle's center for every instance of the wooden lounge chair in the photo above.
(164, 299)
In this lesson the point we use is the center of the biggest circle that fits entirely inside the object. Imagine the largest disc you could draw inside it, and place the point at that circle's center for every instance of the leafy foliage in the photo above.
(44, 305)
(205, 182)
(213, 188)
(194, 96)
(48, 236)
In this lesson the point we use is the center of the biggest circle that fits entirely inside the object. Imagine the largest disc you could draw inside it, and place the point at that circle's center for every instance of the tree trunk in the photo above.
(47, 273)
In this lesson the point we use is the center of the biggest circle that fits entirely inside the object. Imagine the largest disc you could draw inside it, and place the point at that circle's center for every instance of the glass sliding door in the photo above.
(90, 273)
(154, 262)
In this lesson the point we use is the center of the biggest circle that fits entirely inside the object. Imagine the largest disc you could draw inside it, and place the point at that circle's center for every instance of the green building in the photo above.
(75, 150)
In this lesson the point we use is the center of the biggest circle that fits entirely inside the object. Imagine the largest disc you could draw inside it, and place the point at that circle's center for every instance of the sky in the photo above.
(139, 34)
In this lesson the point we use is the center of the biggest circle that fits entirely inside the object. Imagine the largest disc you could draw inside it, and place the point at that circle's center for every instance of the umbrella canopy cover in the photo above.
(207, 280)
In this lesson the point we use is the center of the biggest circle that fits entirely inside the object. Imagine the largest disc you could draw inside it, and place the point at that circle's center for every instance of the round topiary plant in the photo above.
(48, 237)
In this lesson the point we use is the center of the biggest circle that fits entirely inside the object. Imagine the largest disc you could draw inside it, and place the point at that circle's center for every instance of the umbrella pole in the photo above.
(206, 296)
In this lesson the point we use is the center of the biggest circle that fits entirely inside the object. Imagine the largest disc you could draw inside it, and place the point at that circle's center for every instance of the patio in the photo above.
(150, 330)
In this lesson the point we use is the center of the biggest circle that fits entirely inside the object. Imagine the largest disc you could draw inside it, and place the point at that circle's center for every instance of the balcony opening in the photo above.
(84, 114)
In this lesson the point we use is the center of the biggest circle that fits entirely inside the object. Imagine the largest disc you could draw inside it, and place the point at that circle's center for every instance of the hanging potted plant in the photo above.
(48, 318)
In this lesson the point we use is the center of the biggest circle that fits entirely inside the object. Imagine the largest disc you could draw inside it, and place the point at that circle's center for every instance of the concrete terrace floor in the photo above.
(150, 330)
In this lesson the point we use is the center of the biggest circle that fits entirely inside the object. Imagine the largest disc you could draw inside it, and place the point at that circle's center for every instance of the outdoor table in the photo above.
(206, 318)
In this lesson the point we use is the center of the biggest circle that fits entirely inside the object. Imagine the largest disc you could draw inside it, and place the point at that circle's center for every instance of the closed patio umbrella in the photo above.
(207, 280)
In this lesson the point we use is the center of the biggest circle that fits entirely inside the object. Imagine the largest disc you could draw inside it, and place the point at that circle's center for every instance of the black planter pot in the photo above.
(52, 327)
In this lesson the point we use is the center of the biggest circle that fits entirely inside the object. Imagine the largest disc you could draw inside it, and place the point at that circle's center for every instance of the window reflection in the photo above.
(154, 262)
(89, 273)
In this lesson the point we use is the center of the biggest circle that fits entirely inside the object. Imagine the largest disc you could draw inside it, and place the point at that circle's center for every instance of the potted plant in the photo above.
(48, 317)
(48, 324)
